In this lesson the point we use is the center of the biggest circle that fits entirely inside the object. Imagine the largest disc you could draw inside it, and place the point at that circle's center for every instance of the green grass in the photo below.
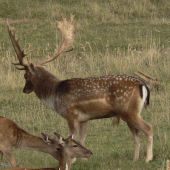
(114, 37)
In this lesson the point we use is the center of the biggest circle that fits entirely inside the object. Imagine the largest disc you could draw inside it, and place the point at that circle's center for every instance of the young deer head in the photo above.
(13, 137)
(70, 149)
(81, 99)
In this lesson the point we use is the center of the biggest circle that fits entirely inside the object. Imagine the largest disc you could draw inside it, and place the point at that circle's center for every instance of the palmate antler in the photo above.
(68, 36)
(67, 31)
(20, 54)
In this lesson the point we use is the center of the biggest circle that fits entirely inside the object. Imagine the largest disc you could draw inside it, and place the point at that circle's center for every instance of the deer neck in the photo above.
(63, 167)
(45, 84)
(28, 141)
(64, 161)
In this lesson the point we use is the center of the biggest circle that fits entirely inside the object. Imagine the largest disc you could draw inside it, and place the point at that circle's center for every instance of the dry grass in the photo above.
(37, 118)
(115, 37)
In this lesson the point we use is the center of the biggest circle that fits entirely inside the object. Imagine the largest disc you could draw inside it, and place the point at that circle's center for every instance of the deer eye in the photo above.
(75, 146)
(58, 149)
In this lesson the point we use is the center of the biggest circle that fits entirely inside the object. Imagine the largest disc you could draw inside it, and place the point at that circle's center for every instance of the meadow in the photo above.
(113, 37)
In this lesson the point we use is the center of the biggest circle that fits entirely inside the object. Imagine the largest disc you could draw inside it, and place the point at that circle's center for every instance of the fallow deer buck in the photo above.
(13, 137)
(81, 99)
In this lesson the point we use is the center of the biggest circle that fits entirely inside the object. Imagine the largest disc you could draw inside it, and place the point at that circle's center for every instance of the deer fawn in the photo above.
(81, 99)
(70, 149)
(13, 137)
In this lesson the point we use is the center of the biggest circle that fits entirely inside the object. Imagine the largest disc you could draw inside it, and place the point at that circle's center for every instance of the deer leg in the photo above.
(139, 124)
(73, 128)
(136, 135)
(148, 130)
(10, 158)
(1, 155)
(116, 120)
(82, 132)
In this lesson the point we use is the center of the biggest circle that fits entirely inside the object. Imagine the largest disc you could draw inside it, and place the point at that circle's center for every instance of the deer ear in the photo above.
(31, 68)
(71, 136)
(59, 138)
(32, 65)
(46, 138)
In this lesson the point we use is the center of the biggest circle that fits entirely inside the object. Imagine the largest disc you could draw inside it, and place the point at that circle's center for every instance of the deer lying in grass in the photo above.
(81, 99)
(13, 137)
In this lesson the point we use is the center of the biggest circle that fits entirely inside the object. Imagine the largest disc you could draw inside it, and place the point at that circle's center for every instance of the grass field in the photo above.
(114, 37)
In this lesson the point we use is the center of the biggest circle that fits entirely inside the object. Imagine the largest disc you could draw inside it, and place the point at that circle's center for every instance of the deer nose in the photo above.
(24, 90)
(90, 153)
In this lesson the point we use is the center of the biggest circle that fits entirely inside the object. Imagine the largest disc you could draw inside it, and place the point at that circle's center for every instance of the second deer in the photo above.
(13, 137)
(81, 99)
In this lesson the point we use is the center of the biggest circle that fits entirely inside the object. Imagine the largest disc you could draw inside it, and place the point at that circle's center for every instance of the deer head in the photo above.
(32, 72)
(73, 148)
(67, 149)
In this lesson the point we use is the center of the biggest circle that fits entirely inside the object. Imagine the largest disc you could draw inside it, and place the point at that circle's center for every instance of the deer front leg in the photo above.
(73, 127)
(116, 120)
(82, 132)
(1, 155)
(7, 153)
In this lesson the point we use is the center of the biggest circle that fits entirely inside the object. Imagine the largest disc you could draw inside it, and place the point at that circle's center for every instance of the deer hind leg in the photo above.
(148, 130)
(82, 132)
(139, 124)
(7, 153)
(136, 135)
(1, 155)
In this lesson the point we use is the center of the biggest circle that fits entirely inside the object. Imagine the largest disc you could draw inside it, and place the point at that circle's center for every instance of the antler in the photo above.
(67, 31)
(20, 54)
